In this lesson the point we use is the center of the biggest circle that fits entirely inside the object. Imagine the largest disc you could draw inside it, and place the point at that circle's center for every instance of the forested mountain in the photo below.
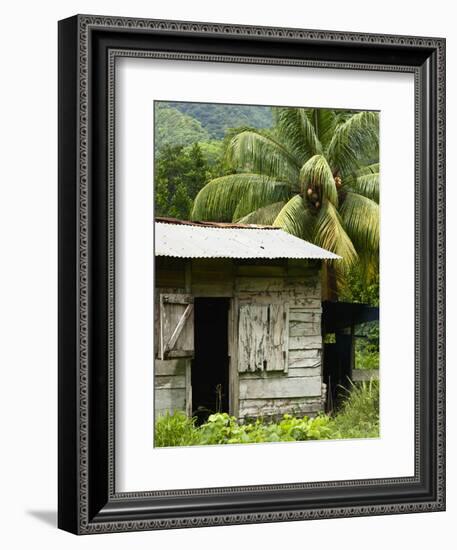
(172, 127)
(190, 142)
(216, 118)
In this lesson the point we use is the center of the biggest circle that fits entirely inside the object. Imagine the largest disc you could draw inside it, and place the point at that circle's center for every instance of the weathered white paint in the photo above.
(297, 328)
(169, 399)
(305, 342)
(169, 367)
(304, 354)
(172, 385)
(293, 298)
(276, 408)
(304, 316)
(176, 325)
(262, 337)
(259, 284)
(305, 363)
(306, 371)
(294, 372)
(280, 387)
(163, 382)
(274, 337)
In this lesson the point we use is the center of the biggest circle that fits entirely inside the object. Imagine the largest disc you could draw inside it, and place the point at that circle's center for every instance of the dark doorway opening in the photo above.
(210, 366)
(338, 362)
(340, 319)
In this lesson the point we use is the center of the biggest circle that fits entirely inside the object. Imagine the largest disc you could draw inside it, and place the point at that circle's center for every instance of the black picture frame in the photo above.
(87, 501)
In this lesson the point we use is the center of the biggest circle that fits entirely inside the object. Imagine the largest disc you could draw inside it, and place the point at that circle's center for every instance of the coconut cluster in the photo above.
(313, 196)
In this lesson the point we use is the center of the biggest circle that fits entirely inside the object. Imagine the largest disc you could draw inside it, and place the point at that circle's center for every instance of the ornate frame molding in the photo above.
(76, 512)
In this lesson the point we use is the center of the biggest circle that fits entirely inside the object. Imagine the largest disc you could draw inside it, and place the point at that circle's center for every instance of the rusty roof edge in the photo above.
(220, 225)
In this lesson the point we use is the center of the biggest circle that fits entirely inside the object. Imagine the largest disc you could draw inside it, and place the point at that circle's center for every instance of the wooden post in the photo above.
(352, 363)
(233, 358)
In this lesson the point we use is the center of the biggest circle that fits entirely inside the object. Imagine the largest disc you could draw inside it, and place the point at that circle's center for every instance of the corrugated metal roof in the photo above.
(175, 221)
(202, 241)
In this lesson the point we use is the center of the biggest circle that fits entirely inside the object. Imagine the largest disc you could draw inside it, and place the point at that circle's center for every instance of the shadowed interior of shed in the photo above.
(210, 365)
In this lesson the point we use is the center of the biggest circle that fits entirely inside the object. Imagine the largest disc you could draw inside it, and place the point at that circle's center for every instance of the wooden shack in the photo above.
(237, 320)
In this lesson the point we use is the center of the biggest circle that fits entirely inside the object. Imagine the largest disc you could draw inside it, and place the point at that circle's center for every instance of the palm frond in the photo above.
(367, 185)
(330, 234)
(253, 152)
(324, 122)
(316, 174)
(295, 218)
(369, 169)
(263, 216)
(219, 199)
(297, 131)
(353, 141)
(360, 217)
(258, 194)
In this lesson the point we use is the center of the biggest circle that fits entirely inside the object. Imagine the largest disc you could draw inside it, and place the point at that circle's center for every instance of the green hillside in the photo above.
(172, 127)
(216, 118)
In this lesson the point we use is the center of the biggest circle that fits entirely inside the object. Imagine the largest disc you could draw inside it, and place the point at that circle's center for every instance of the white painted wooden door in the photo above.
(176, 338)
(262, 337)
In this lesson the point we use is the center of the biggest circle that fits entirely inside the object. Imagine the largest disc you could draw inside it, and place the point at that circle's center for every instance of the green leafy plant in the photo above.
(358, 417)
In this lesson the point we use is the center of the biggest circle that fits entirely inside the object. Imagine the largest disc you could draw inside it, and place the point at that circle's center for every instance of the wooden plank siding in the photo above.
(212, 278)
(169, 400)
(170, 273)
(280, 387)
(170, 385)
(176, 325)
(274, 409)
(296, 388)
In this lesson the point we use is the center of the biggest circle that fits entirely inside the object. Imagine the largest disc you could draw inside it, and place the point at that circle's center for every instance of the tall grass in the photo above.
(175, 430)
(358, 417)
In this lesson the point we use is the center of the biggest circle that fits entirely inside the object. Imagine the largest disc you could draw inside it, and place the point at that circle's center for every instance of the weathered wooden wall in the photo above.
(171, 385)
(172, 388)
(292, 286)
(297, 389)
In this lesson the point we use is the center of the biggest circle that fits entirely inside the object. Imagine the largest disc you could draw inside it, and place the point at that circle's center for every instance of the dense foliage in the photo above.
(359, 289)
(180, 172)
(314, 174)
(357, 418)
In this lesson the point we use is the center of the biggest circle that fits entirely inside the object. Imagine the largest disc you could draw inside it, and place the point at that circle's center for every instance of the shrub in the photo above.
(359, 415)
(174, 430)
(357, 418)
(366, 359)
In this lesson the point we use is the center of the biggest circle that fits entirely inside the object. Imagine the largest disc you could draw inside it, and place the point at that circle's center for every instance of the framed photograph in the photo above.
(251, 274)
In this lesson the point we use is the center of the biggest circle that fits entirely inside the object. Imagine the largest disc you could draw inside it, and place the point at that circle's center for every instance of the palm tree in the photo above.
(315, 175)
